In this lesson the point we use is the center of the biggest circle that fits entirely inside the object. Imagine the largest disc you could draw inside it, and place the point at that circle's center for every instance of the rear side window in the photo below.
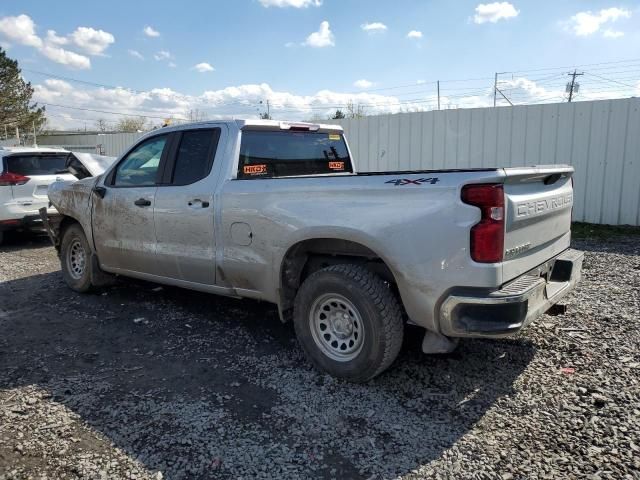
(195, 154)
(287, 153)
(30, 165)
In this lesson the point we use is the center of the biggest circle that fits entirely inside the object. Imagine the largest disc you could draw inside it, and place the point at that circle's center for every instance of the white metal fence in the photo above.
(112, 144)
(601, 139)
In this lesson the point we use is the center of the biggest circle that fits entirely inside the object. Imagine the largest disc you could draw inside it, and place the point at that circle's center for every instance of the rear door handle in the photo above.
(142, 202)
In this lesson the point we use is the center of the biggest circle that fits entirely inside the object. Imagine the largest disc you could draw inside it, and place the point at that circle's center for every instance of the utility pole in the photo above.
(268, 110)
(573, 86)
(438, 83)
(495, 89)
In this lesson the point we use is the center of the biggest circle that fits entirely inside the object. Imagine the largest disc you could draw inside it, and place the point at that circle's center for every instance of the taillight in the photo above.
(8, 178)
(487, 236)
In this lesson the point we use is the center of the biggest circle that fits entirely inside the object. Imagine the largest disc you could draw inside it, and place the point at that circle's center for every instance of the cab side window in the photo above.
(194, 156)
(140, 167)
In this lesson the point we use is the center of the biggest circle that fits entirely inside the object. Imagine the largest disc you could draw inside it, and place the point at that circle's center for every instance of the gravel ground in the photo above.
(142, 381)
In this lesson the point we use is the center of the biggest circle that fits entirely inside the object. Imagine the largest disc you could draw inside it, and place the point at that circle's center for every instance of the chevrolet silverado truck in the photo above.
(276, 211)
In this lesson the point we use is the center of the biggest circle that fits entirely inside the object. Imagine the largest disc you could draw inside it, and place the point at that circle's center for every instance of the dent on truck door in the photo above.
(184, 209)
(123, 228)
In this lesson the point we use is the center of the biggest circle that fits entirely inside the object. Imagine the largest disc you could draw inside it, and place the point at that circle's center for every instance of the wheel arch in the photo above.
(65, 221)
(311, 254)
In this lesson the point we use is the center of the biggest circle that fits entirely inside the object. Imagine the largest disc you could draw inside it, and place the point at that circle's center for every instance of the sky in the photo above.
(306, 58)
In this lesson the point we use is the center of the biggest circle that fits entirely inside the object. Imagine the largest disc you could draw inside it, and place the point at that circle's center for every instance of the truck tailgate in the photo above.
(538, 204)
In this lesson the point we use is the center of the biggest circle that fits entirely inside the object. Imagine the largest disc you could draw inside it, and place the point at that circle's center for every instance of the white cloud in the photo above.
(414, 34)
(612, 33)
(374, 27)
(172, 65)
(322, 38)
(151, 32)
(92, 41)
(203, 67)
(163, 55)
(136, 54)
(54, 39)
(65, 57)
(290, 3)
(242, 101)
(492, 12)
(362, 83)
(20, 29)
(587, 23)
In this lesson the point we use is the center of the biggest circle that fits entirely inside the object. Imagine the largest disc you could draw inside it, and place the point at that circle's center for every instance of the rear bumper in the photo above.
(28, 222)
(508, 310)
(23, 215)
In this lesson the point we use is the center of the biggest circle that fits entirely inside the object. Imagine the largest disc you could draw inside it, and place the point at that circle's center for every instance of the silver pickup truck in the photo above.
(276, 211)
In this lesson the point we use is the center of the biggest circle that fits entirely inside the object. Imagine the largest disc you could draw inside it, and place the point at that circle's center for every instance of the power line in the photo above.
(396, 101)
(610, 80)
(576, 66)
(106, 111)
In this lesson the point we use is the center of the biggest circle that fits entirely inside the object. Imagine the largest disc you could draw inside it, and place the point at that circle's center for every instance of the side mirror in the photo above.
(99, 191)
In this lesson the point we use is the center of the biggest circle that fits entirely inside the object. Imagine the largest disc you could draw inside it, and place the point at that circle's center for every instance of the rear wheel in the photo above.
(348, 322)
(75, 259)
(1, 236)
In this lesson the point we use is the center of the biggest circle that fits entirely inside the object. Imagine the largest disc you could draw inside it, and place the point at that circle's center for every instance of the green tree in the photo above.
(16, 108)
(338, 115)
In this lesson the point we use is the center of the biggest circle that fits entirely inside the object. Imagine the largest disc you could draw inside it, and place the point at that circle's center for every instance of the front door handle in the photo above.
(142, 202)
(197, 201)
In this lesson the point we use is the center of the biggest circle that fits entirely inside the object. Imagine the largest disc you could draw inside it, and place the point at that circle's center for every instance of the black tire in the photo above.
(1, 236)
(76, 272)
(381, 325)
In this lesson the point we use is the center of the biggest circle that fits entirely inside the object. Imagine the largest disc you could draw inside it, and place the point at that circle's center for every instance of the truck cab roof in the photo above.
(252, 124)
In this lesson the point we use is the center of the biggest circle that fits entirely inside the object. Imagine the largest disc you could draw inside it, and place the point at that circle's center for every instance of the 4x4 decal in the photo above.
(400, 182)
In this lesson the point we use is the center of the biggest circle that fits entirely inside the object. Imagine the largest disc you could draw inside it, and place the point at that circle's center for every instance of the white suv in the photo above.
(25, 175)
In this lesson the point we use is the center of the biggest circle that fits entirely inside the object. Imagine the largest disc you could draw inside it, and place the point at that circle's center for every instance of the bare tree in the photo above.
(355, 111)
(102, 125)
(197, 115)
(131, 124)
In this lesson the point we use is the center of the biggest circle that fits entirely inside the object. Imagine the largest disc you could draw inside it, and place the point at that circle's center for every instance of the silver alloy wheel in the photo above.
(336, 327)
(76, 259)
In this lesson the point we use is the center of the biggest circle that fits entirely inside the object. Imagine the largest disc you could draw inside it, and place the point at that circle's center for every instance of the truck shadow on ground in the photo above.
(16, 241)
(199, 386)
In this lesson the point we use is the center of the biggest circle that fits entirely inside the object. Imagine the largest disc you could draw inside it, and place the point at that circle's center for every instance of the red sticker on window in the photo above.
(254, 169)
(336, 165)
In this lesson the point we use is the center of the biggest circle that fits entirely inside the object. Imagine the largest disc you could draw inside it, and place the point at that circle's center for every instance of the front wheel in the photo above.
(348, 322)
(75, 259)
